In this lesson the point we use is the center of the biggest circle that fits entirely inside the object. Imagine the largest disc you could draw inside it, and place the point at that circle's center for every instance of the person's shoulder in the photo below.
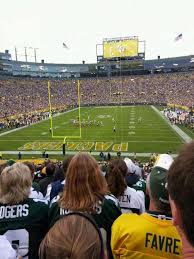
(132, 192)
(37, 202)
(36, 186)
(112, 199)
(41, 181)
(127, 220)
(132, 223)
(129, 216)
(57, 185)
(54, 200)
(140, 183)
(54, 205)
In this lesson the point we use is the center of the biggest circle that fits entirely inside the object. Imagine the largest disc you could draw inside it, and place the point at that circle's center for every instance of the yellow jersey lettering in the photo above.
(162, 243)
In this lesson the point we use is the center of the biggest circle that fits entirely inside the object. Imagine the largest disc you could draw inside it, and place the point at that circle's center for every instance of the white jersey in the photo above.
(141, 196)
(48, 192)
(35, 194)
(130, 201)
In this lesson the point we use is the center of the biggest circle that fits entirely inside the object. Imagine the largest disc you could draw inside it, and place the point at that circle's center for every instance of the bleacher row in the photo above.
(29, 97)
(78, 209)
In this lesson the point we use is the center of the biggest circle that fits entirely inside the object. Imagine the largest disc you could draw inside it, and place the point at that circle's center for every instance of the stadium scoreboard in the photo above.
(120, 47)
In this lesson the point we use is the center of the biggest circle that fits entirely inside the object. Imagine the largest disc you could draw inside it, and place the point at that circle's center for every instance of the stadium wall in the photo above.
(102, 69)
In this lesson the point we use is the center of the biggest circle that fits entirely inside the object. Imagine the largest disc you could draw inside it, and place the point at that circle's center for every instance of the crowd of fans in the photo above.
(78, 209)
(180, 117)
(27, 99)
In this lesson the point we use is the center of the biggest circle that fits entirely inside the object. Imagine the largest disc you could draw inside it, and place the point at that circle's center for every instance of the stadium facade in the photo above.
(103, 68)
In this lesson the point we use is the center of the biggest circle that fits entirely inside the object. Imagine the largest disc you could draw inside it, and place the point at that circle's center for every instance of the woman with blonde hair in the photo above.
(74, 236)
(23, 220)
(86, 191)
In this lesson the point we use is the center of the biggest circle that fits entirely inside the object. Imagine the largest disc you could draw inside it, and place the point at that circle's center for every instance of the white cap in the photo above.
(164, 161)
(129, 164)
(7, 252)
(132, 168)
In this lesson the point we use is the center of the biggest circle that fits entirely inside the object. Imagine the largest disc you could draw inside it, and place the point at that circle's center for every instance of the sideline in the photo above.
(175, 128)
(94, 153)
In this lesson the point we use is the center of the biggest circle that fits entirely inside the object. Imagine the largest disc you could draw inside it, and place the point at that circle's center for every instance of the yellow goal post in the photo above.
(51, 115)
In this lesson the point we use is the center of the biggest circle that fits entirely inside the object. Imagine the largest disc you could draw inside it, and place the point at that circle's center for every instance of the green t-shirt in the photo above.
(25, 224)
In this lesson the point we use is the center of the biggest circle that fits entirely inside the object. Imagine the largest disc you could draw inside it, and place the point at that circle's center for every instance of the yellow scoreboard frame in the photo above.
(120, 48)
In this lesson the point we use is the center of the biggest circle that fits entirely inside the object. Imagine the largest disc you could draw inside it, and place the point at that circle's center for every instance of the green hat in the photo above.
(158, 184)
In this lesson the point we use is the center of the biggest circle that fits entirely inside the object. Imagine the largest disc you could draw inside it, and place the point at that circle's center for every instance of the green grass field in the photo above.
(138, 129)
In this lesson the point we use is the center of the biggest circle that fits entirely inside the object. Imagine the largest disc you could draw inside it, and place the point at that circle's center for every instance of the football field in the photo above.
(138, 129)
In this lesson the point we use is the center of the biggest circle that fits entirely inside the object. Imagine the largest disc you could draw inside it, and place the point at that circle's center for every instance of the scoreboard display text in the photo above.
(121, 48)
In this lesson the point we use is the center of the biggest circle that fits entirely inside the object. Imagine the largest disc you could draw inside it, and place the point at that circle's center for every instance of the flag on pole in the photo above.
(179, 37)
(65, 46)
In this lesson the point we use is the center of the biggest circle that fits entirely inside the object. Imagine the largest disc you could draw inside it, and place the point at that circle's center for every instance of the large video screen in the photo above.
(120, 48)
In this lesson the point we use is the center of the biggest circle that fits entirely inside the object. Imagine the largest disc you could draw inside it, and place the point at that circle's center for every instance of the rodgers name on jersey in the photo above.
(14, 211)
(25, 224)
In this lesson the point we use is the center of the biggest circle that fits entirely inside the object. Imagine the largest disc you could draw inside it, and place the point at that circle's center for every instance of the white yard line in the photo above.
(56, 115)
(128, 141)
(180, 132)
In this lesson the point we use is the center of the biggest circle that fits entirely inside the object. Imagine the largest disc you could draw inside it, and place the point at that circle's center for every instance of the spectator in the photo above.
(40, 173)
(43, 154)
(73, 236)
(21, 219)
(129, 199)
(28, 96)
(45, 184)
(35, 189)
(151, 234)
(57, 186)
(86, 191)
(118, 153)
(181, 191)
(101, 156)
(135, 180)
(19, 156)
(131, 178)
(103, 168)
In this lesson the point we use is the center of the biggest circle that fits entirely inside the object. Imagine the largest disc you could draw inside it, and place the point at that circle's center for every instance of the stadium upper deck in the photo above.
(112, 68)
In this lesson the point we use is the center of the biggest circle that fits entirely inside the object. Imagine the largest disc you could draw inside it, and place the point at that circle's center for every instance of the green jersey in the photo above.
(107, 210)
(25, 224)
(140, 186)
